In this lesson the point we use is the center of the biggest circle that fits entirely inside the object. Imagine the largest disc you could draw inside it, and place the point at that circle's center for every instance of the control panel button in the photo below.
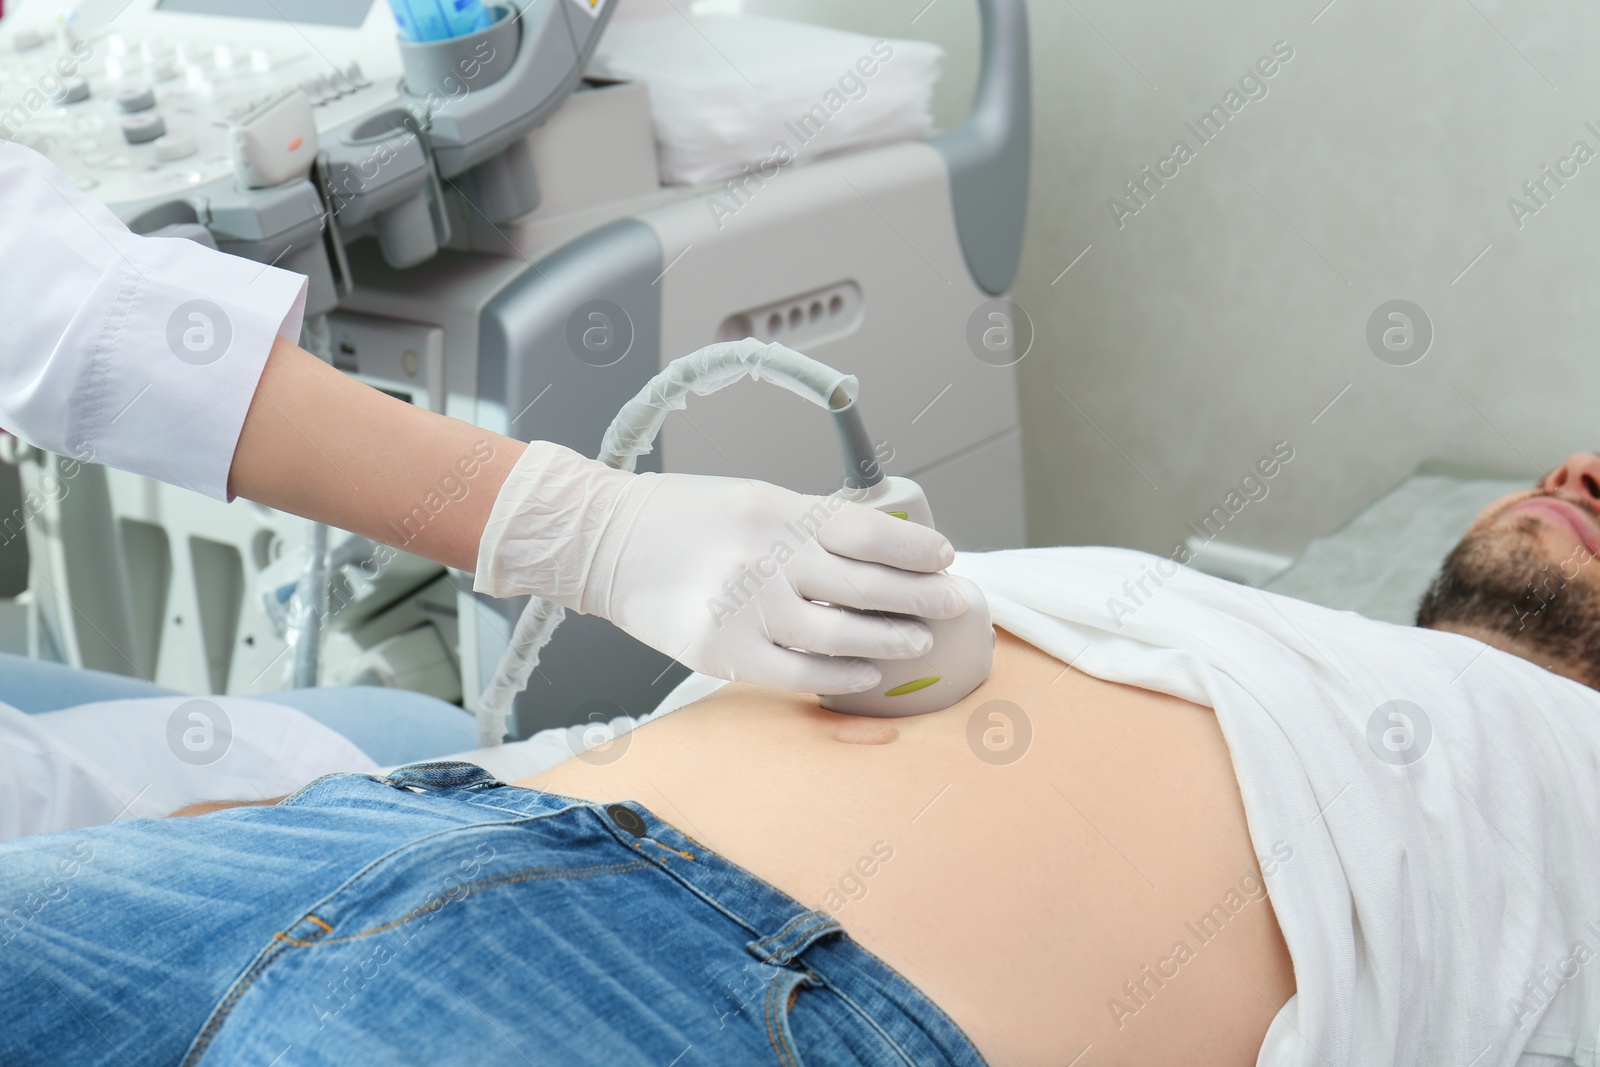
(275, 143)
(319, 89)
(136, 98)
(71, 91)
(175, 146)
(142, 127)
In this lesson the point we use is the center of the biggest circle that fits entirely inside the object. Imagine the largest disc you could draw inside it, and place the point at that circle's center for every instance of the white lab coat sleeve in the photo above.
(140, 353)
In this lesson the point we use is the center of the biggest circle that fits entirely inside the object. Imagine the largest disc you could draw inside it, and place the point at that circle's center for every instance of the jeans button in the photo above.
(627, 819)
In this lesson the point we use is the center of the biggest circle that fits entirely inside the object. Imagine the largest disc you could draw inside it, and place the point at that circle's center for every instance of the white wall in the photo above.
(1228, 313)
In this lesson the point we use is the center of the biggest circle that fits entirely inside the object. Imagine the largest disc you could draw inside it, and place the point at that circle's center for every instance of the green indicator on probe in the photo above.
(912, 686)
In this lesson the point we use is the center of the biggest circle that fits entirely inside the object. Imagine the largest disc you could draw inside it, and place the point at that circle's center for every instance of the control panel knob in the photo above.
(175, 146)
(71, 91)
(143, 126)
(136, 98)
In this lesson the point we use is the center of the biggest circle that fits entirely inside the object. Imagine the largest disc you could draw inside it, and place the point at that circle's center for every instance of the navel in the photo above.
(857, 730)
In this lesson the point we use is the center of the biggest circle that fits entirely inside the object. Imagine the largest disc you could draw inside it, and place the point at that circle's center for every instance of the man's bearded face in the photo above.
(1525, 572)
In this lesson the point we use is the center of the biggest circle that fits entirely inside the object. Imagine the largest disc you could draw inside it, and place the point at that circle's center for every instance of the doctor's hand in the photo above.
(719, 573)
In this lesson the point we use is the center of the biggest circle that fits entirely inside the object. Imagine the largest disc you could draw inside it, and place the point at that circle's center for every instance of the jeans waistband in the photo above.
(783, 932)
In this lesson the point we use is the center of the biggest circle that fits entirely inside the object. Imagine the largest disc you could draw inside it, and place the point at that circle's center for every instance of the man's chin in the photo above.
(1525, 550)
(1560, 533)
(1503, 585)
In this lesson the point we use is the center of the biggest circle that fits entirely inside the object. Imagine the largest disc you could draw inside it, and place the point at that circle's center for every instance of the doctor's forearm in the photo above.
(320, 444)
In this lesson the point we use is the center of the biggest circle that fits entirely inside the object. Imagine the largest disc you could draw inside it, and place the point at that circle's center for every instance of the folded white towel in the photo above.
(747, 95)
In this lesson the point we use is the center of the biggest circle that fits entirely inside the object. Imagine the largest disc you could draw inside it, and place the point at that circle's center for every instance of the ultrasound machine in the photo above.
(472, 214)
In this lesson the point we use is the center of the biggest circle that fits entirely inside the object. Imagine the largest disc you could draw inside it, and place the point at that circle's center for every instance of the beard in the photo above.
(1495, 580)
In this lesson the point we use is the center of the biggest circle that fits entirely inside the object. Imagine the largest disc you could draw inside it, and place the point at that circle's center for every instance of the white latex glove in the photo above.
(719, 573)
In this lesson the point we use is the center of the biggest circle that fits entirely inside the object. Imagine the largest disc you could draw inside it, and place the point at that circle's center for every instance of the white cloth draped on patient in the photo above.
(1442, 899)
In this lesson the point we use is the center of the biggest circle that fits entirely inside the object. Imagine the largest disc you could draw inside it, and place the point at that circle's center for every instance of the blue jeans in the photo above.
(434, 916)
(390, 725)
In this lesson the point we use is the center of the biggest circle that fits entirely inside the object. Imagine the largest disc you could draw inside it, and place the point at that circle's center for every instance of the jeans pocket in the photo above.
(809, 1021)
(782, 996)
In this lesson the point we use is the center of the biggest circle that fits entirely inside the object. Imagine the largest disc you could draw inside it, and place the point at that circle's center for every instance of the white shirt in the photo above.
(1437, 877)
(86, 366)
(145, 758)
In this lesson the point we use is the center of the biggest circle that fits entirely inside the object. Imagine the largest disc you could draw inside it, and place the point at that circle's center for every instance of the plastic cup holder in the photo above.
(391, 122)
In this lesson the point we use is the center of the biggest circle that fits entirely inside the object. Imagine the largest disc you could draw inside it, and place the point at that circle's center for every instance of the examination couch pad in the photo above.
(1442, 897)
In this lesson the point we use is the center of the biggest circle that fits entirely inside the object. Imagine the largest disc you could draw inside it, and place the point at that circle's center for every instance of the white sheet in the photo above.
(1425, 902)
